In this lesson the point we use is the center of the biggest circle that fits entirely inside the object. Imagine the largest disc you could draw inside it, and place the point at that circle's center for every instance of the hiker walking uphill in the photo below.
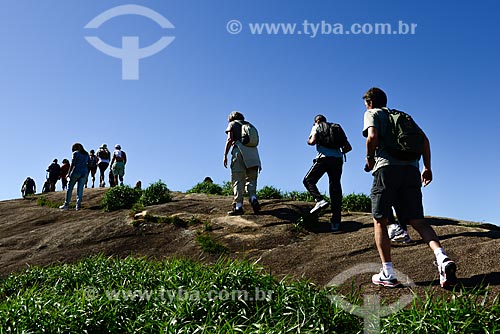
(331, 144)
(242, 139)
(54, 171)
(118, 162)
(64, 172)
(397, 182)
(103, 159)
(28, 187)
(92, 165)
(78, 174)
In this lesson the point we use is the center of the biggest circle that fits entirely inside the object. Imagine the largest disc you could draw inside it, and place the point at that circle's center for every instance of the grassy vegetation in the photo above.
(155, 193)
(126, 197)
(463, 313)
(209, 245)
(136, 295)
(120, 197)
(206, 188)
(43, 201)
(356, 203)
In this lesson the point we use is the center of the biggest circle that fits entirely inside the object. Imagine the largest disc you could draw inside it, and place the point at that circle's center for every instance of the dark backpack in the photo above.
(92, 162)
(330, 135)
(103, 154)
(405, 139)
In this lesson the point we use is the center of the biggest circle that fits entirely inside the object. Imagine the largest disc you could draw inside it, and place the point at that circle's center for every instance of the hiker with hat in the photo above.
(54, 171)
(103, 156)
(118, 162)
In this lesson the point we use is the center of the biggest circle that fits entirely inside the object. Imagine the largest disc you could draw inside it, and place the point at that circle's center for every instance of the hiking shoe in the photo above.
(319, 205)
(398, 234)
(235, 212)
(447, 273)
(395, 232)
(255, 205)
(386, 281)
(64, 207)
(407, 238)
(77, 208)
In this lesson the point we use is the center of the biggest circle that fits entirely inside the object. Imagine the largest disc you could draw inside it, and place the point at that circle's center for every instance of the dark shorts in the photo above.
(398, 187)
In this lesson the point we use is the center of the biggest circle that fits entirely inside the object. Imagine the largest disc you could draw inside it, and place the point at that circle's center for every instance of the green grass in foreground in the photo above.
(135, 295)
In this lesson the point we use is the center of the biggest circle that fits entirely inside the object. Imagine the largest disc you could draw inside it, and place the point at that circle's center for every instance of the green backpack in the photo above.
(405, 140)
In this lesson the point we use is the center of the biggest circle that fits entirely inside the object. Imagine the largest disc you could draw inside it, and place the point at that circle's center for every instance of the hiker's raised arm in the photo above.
(312, 139)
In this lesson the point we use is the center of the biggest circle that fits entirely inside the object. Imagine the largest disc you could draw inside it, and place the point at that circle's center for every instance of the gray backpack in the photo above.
(249, 134)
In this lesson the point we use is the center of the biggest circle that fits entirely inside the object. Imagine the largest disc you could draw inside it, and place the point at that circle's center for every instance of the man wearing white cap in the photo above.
(118, 164)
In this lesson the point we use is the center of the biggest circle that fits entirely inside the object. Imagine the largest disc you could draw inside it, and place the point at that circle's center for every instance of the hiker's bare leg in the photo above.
(426, 232)
(382, 239)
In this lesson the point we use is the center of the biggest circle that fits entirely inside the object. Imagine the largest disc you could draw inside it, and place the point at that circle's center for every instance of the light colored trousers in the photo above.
(242, 177)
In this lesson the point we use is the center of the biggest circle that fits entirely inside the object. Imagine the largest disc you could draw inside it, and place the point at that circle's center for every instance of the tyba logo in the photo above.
(130, 53)
(372, 310)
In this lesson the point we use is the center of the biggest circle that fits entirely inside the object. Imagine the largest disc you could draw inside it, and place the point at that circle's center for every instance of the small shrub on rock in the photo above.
(156, 193)
(206, 188)
(269, 192)
(120, 197)
(356, 203)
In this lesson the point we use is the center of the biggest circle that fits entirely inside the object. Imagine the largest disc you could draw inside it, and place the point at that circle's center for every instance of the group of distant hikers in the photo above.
(394, 146)
(83, 165)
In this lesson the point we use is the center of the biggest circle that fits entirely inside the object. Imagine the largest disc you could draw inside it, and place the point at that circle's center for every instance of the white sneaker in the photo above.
(382, 279)
(447, 273)
(64, 207)
(395, 232)
(319, 205)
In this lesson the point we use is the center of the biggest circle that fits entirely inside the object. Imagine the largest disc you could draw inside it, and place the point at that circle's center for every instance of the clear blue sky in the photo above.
(57, 89)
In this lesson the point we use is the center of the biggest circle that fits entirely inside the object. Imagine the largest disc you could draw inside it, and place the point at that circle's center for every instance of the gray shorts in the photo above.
(398, 187)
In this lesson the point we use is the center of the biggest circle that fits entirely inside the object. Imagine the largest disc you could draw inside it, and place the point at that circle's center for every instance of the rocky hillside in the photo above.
(31, 234)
